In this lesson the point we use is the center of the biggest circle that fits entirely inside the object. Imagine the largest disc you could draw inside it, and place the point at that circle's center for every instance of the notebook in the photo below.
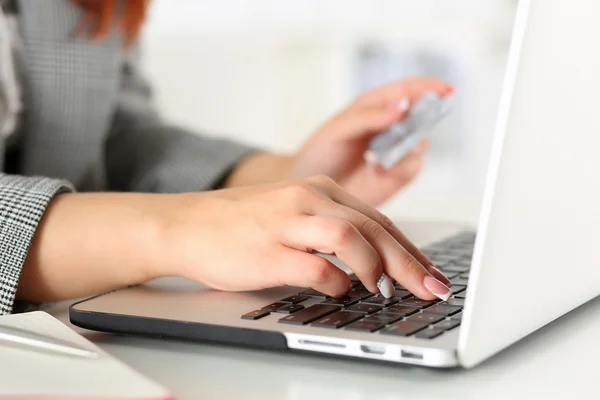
(29, 374)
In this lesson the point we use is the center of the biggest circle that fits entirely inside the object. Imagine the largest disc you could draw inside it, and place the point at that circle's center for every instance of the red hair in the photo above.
(99, 16)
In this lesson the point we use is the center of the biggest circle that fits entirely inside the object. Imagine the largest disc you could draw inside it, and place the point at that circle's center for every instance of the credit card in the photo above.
(391, 145)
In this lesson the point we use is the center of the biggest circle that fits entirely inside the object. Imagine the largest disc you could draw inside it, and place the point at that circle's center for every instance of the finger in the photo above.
(404, 171)
(439, 275)
(330, 235)
(422, 146)
(309, 270)
(397, 262)
(366, 121)
(409, 89)
(342, 197)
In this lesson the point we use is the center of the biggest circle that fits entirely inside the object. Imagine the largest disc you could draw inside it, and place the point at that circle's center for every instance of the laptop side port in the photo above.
(370, 349)
(411, 354)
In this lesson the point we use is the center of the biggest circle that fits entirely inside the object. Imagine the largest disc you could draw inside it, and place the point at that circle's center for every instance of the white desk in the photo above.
(558, 362)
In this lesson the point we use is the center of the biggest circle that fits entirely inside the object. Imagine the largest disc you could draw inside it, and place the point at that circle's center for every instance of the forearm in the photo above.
(88, 244)
(259, 168)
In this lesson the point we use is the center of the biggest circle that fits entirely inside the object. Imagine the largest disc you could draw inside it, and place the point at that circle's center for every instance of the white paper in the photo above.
(28, 372)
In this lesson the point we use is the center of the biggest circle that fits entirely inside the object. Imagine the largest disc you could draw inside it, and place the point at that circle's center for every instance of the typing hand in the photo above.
(264, 236)
(337, 149)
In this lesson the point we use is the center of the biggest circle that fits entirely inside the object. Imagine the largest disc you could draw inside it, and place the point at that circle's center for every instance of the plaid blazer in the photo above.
(89, 125)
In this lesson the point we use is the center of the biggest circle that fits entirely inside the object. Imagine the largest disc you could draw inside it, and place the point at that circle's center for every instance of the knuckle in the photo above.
(374, 266)
(323, 180)
(386, 222)
(319, 271)
(342, 233)
(372, 229)
(411, 266)
(299, 192)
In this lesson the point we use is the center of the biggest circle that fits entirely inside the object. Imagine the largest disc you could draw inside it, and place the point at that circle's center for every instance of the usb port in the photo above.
(411, 355)
(367, 349)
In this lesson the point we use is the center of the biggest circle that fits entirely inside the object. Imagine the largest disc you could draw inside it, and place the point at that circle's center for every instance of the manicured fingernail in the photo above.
(448, 90)
(371, 157)
(385, 285)
(437, 288)
(438, 275)
(404, 105)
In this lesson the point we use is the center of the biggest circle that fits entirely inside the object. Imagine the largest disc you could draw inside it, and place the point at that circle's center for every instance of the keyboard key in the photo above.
(356, 283)
(380, 301)
(447, 324)
(457, 288)
(459, 281)
(454, 268)
(402, 294)
(417, 303)
(464, 275)
(442, 258)
(461, 295)
(456, 302)
(451, 275)
(384, 318)
(360, 294)
(429, 333)
(365, 326)
(309, 314)
(342, 301)
(443, 309)
(290, 308)
(400, 309)
(314, 294)
(404, 328)
(294, 299)
(426, 318)
(363, 308)
(274, 306)
(337, 320)
(254, 315)
(457, 317)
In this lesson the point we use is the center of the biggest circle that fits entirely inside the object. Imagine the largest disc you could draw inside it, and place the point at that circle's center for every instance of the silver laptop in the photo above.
(532, 260)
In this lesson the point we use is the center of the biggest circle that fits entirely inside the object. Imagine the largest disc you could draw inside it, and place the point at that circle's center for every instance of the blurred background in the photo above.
(269, 72)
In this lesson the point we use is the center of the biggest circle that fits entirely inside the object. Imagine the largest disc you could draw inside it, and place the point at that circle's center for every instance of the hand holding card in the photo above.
(391, 145)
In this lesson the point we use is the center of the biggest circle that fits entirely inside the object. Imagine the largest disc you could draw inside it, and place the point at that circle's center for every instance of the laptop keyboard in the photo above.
(402, 315)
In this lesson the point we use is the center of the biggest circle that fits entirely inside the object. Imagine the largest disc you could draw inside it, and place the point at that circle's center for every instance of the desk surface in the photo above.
(555, 363)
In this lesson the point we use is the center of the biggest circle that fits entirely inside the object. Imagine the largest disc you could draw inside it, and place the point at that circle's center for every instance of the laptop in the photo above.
(531, 260)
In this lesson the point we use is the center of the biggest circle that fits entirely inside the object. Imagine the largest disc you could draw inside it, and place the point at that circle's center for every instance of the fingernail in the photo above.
(371, 158)
(403, 105)
(437, 288)
(439, 275)
(385, 285)
(448, 90)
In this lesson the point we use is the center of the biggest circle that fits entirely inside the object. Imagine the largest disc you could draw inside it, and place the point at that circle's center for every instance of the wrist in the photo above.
(260, 168)
(87, 244)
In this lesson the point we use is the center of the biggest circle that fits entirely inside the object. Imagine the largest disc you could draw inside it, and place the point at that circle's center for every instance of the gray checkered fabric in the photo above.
(22, 202)
(90, 125)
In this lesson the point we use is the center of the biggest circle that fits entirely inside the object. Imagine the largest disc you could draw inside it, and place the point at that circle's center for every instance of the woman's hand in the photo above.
(236, 239)
(337, 149)
(264, 236)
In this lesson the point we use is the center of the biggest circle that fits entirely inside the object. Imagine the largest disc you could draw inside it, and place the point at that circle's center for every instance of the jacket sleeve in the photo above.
(23, 201)
(144, 154)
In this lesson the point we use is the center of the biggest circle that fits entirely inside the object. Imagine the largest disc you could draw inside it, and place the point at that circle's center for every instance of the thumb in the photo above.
(365, 122)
